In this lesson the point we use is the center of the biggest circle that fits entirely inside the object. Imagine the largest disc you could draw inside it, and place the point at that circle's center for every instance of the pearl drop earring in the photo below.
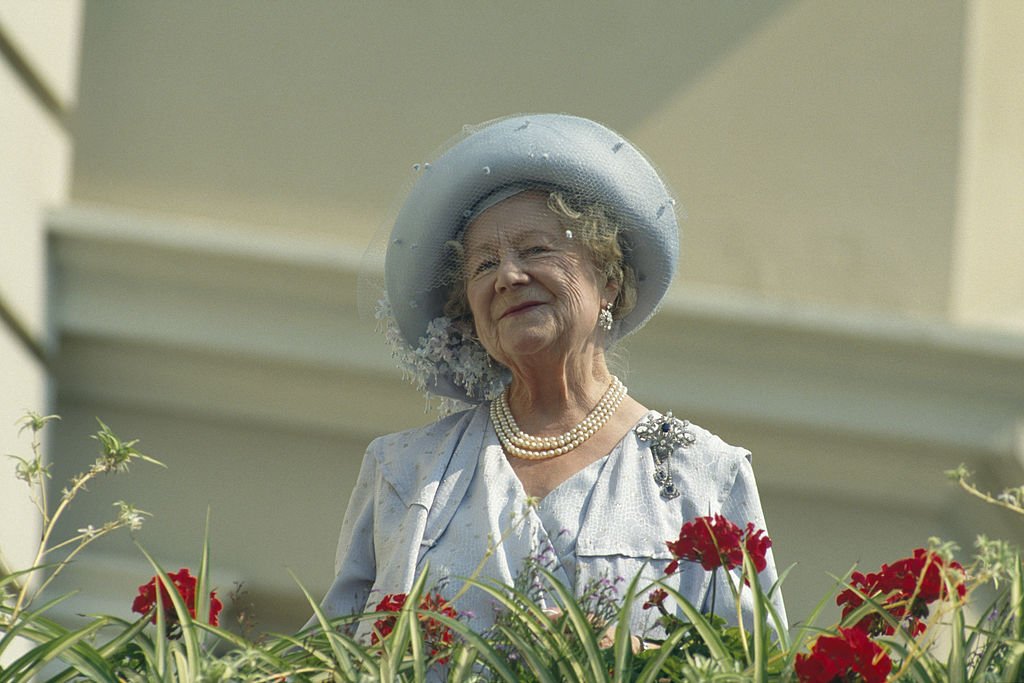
(604, 318)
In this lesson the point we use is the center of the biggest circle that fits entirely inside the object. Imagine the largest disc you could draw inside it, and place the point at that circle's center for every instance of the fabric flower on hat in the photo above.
(185, 584)
(848, 657)
(714, 542)
(905, 588)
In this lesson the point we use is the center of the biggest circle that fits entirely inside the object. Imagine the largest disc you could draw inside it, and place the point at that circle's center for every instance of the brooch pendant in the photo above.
(665, 434)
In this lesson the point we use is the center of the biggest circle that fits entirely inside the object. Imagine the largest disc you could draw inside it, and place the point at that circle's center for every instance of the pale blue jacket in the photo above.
(412, 483)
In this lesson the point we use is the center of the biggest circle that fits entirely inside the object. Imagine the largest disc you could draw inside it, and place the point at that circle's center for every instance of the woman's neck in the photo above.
(552, 397)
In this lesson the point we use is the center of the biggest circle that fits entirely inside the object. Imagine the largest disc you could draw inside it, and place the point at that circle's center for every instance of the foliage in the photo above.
(891, 619)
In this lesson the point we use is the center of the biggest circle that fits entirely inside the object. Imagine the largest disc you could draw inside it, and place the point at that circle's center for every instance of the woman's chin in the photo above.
(531, 348)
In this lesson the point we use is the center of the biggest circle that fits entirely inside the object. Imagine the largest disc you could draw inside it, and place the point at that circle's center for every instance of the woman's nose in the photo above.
(510, 273)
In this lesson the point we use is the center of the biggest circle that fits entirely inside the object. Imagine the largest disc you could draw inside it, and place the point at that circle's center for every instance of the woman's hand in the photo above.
(607, 638)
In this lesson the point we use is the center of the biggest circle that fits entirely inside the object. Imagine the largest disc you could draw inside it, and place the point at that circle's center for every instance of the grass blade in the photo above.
(761, 645)
(711, 638)
(28, 665)
(583, 627)
(623, 653)
(338, 649)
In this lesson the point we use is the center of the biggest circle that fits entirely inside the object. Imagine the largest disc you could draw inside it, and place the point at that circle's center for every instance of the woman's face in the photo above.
(531, 288)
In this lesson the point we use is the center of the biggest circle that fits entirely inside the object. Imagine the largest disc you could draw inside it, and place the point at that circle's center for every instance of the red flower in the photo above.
(905, 588)
(848, 657)
(717, 542)
(185, 584)
(435, 633)
(655, 598)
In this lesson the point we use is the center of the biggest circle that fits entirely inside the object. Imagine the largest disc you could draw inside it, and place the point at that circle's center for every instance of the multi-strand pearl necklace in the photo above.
(522, 445)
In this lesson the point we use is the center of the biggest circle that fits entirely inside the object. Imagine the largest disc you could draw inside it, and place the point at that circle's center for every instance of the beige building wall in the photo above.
(987, 273)
(847, 306)
(38, 75)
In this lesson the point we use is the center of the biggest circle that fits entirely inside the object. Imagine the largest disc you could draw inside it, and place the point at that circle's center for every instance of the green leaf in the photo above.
(529, 652)
(623, 653)
(582, 627)
(34, 618)
(761, 645)
(338, 645)
(495, 660)
(129, 632)
(654, 667)
(29, 664)
(462, 667)
(710, 635)
(203, 578)
(795, 645)
(781, 628)
(415, 626)
(956, 665)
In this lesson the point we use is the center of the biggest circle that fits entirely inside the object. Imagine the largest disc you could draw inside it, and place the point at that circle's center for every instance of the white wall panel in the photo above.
(988, 278)
(22, 388)
(34, 165)
(47, 34)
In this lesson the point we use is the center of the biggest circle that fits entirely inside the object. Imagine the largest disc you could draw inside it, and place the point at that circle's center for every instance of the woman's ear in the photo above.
(611, 290)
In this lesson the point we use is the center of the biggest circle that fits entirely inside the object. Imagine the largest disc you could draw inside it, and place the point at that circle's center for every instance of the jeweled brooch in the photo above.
(665, 435)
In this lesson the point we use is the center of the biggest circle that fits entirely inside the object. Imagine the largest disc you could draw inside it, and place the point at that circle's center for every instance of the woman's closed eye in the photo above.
(482, 267)
(535, 250)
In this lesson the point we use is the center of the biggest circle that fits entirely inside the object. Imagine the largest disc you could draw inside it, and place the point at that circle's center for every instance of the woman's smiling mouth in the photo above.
(519, 308)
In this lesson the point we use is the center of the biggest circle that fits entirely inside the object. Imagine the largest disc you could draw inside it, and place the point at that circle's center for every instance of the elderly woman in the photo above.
(521, 255)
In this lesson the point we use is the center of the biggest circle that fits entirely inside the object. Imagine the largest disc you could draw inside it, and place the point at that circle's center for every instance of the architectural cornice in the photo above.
(186, 316)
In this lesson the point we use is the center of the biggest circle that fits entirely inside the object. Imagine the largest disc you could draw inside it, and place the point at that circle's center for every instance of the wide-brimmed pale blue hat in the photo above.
(550, 151)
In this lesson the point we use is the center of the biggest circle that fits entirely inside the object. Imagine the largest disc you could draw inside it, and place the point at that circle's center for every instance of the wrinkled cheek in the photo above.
(575, 309)
(577, 290)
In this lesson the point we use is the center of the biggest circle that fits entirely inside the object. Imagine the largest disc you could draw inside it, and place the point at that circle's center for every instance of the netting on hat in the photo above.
(414, 265)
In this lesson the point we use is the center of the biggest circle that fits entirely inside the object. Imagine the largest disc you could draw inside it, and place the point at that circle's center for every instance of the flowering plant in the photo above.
(185, 585)
(114, 458)
(890, 620)
(906, 588)
(435, 633)
(715, 542)
(849, 656)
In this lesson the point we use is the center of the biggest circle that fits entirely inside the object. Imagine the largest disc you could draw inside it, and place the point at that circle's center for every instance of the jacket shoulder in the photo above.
(413, 461)
(712, 446)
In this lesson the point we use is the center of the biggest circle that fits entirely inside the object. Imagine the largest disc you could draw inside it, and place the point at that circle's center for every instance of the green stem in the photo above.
(48, 528)
(969, 488)
(63, 563)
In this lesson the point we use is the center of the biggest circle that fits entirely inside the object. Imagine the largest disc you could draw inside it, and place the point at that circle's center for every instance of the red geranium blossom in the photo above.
(848, 657)
(655, 598)
(717, 542)
(185, 584)
(435, 633)
(905, 588)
